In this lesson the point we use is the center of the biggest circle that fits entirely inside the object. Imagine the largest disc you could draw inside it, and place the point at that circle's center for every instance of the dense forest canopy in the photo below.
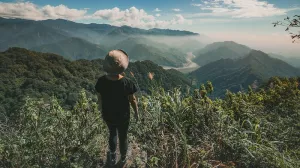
(42, 75)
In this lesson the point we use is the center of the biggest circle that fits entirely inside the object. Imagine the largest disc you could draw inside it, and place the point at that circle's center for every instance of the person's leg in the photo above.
(122, 132)
(112, 142)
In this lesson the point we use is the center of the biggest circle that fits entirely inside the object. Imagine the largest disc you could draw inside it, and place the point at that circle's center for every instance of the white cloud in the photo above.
(61, 11)
(136, 18)
(109, 14)
(28, 10)
(212, 20)
(241, 8)
(157, 10)
(176, 10)
(198, 5)
(132, 17)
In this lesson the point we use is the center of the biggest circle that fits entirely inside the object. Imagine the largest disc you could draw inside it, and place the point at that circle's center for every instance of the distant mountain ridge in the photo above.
(140, 48)
(237, 74)
(27, 34)
(236, 47)
(90, 41)
(219, 50)
(214, 55)
(294, 61)
(74, 48)
(101, 29)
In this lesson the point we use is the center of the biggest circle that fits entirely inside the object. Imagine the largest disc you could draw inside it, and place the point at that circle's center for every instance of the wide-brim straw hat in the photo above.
(116, 62)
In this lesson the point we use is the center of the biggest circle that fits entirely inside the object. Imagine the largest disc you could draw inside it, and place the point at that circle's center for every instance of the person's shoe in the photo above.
(111, 159)
(122, 162)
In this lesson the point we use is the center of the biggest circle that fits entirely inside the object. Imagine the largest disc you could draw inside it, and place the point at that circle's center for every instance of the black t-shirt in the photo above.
(114, 96)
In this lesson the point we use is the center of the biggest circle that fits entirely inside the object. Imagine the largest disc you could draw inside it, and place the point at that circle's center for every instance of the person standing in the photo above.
(115, 95)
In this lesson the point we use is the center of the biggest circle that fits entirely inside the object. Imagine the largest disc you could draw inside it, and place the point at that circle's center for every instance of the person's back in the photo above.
(115, 94)
(115, 98)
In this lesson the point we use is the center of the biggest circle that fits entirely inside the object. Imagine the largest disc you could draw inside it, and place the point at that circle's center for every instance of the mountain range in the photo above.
(74, 48)
(237, 74)
(227, 64)
(219, 50)
(141, 48)
(67, 38)
(291, 60)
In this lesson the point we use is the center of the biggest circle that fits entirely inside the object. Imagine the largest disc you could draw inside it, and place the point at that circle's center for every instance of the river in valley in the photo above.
(188, 67)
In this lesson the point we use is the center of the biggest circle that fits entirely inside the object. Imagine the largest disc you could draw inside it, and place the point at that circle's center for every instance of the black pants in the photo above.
(122, 131)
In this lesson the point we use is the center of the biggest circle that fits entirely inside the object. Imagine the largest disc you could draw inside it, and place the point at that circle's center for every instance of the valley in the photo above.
(189, 66)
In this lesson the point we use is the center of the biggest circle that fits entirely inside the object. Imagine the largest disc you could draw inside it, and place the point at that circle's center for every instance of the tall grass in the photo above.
(175, 130)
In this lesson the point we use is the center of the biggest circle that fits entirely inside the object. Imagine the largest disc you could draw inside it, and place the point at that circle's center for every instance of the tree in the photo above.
(290, 24)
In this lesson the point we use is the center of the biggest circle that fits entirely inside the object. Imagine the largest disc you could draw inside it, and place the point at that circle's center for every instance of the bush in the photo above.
(48, 136)
(253, 129)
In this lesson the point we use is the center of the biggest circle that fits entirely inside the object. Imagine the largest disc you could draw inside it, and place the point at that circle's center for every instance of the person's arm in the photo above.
(99, 101)
(134, 105)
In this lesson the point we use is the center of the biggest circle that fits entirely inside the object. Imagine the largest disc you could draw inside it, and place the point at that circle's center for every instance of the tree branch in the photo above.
(290, 23)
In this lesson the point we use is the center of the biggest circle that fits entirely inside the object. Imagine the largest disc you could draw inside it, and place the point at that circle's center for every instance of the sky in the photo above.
(247, 22)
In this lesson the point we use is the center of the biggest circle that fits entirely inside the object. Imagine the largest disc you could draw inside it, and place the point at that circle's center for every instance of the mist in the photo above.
(269, 43)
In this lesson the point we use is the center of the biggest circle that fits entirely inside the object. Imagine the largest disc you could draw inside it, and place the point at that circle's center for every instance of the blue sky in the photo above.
(244, 21)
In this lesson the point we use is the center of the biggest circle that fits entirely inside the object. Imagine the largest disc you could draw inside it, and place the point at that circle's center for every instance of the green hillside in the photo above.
(27, 34)
(28, 73)
(218, 50)
(294, 61)
(236, 75)
(74, 49)
(214, 55)
(238, 48)
(145, 49)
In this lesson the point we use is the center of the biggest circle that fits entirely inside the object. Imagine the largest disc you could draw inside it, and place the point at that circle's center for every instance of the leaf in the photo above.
(248, 132)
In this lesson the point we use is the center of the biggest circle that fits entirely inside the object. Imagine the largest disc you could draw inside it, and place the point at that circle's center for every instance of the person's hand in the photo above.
(136, 116)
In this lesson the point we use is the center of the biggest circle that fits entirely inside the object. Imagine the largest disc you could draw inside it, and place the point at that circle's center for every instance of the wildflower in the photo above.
(150, 75)
(271, 85)
(254, 85)
(132, 74)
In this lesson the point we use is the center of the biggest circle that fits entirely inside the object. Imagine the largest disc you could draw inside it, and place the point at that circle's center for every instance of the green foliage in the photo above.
(243, 130)
(49, 136)
(254, 129)
(39, 75)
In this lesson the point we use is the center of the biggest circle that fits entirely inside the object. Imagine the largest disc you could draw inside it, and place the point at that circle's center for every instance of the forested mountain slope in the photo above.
(28, 73)
(236, 74)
